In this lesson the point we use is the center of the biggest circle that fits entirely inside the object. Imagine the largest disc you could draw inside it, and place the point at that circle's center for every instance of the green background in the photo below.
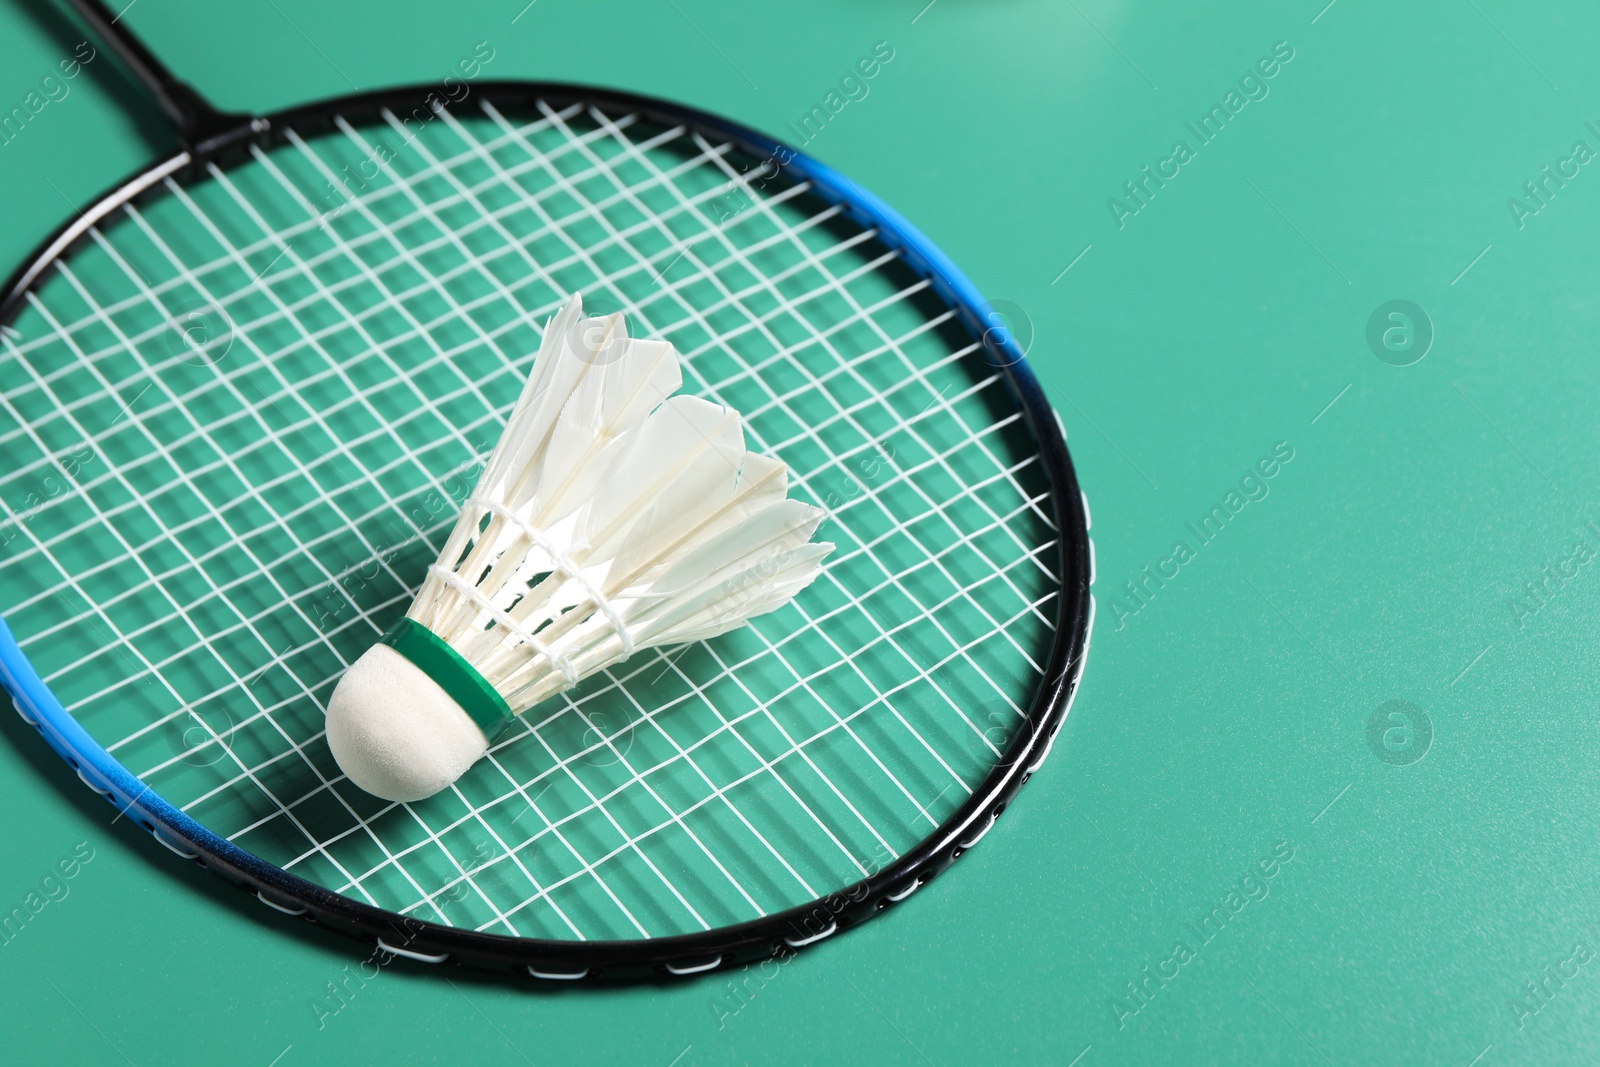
(1225, 719)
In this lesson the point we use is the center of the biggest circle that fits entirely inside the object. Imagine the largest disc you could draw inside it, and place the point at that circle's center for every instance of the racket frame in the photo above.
(208, 136)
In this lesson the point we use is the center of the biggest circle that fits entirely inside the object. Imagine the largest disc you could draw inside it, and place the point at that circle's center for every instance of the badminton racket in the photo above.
(244, 394)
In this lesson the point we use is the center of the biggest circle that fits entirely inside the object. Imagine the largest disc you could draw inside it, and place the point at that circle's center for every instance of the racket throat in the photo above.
(202, 129)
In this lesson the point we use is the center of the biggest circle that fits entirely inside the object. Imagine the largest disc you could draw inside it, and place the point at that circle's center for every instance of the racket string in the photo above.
(729, 669)
(246, 772)
(289, 233)
(711, 276)
(320, 297)
(858, 314)
(578, 197)
(619, 869)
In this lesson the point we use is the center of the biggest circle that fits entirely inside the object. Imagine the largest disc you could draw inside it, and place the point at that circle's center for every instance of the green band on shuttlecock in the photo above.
(458, 678)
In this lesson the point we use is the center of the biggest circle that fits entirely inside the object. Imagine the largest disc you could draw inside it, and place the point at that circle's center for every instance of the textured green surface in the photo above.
(1219, 724)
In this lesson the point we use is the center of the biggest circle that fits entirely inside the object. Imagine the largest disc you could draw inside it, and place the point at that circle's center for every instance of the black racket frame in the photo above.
(208, 136)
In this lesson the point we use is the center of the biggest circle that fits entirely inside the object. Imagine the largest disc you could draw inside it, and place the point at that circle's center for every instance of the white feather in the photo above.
(611, 398)
(677, 522)
(612, 516)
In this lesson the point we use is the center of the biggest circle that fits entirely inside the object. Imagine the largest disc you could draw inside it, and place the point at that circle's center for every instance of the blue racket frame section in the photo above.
(653, 958)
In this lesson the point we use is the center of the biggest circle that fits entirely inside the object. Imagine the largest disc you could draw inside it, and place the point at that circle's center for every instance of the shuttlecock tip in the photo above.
(395, 732)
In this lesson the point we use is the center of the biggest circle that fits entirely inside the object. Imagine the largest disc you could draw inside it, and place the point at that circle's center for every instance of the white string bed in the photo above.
(239, 421)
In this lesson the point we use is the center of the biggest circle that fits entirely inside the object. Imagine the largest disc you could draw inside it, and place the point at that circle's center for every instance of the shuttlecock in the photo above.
(611, 517)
